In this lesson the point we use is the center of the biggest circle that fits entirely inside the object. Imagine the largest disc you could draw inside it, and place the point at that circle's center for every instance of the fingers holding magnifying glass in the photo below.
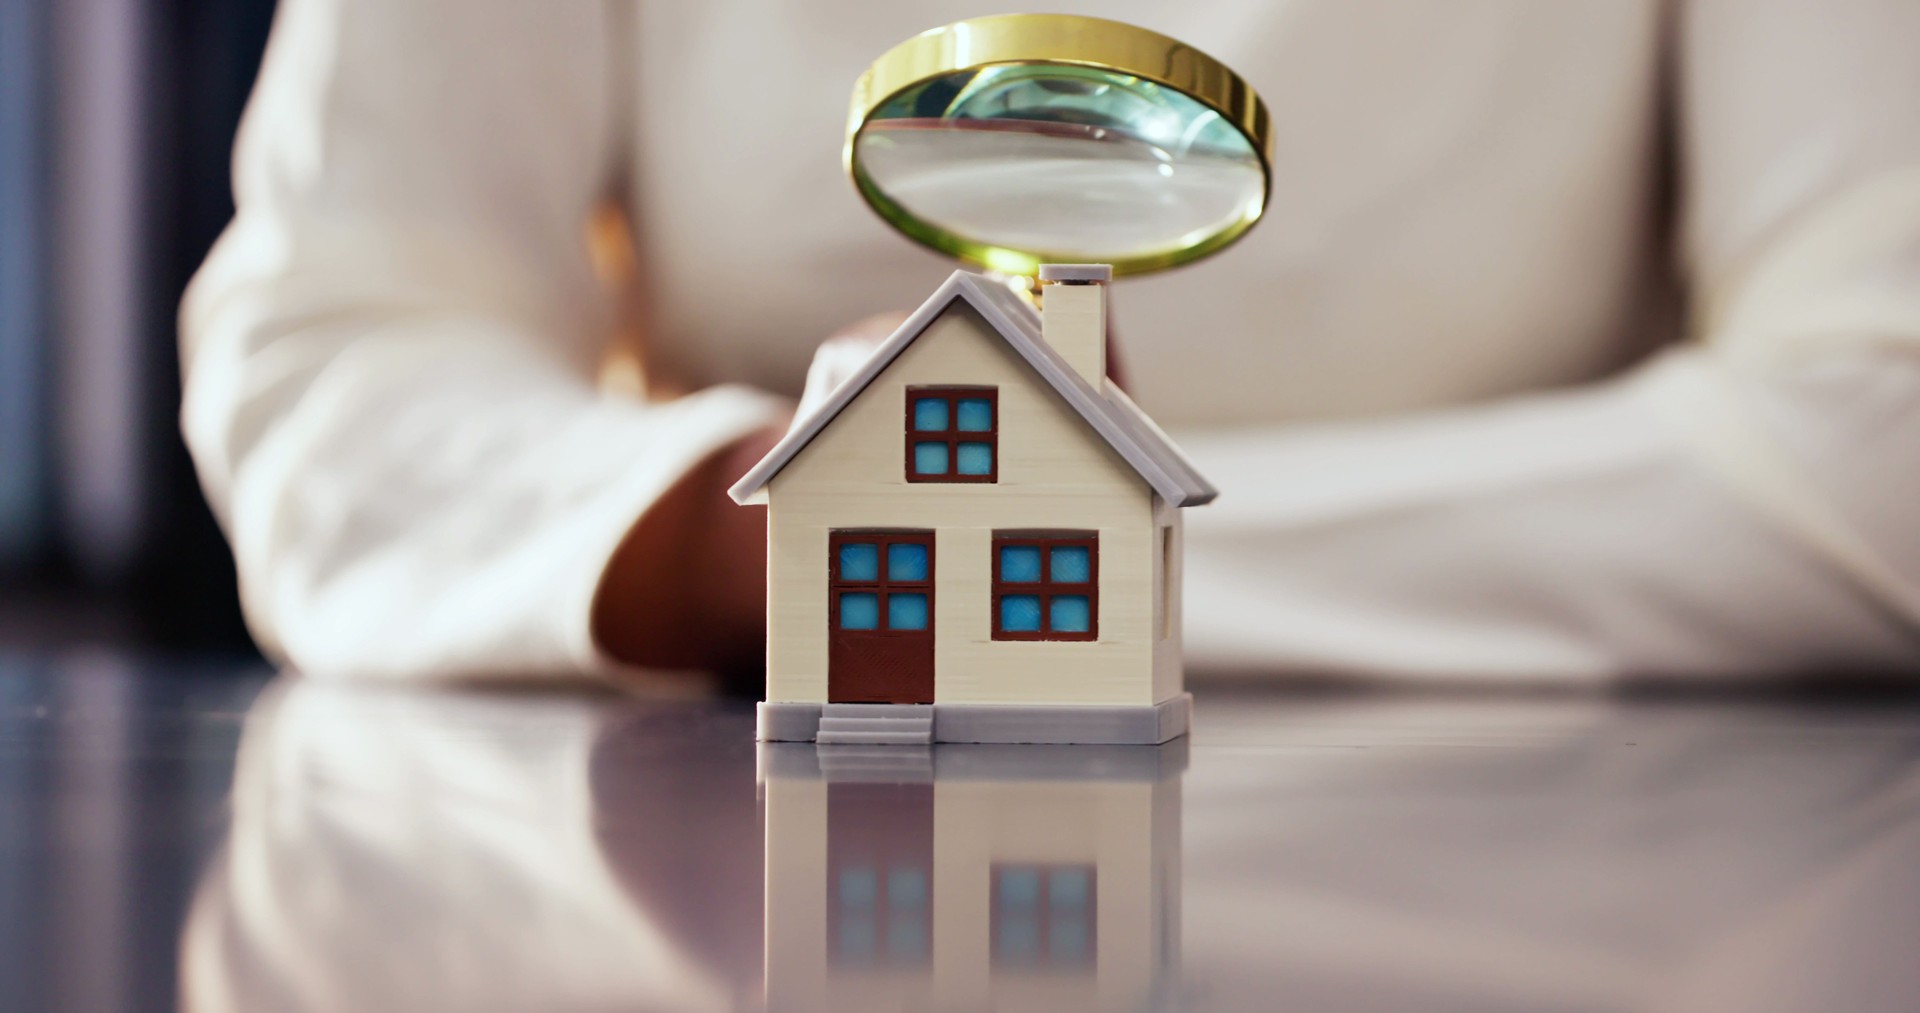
(841, 356)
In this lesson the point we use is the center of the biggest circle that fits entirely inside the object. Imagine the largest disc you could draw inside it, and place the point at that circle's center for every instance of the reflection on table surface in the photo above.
(972, 876)
(405, 849)
(399, 850)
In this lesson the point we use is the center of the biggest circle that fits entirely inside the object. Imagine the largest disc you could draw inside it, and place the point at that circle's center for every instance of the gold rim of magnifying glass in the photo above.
(1057, 39)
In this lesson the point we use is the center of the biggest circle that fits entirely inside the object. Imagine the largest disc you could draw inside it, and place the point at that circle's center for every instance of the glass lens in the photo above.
(1061, 161)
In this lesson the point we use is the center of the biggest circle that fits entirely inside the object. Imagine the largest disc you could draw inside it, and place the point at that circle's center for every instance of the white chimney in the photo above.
(1073, 316)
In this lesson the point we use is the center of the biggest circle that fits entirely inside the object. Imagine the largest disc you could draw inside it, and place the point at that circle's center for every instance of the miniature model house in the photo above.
(981, 530)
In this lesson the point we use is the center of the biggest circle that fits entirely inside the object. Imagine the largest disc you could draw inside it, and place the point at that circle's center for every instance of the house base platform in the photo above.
(1000, 723)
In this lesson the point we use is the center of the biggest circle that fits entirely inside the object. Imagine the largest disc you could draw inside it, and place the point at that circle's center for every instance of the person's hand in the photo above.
(687, 587)
(841, 356)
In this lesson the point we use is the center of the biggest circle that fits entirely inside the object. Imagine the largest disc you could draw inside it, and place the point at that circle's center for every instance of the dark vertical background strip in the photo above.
(25, 811)
(205, 56)
(23, 477)
(117, 120)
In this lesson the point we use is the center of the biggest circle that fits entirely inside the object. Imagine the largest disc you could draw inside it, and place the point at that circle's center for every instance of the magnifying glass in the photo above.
(1021, 139)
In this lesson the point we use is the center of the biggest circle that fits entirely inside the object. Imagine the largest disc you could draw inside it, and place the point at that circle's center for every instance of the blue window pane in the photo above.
(906, 940)
(930, 414)
(856, 936)
(906, 562)
(1020, 613)
(1067, 939)
(1067, 888)
(858, 887)
(1020, 563)
(974, 459)
(906, 889)
(930, 458)
(906, 611)
(859, 561)
(1019, 938)
(1071, 614)
(976, 415)
(1071, 565)
(1019, 887)
(859, 611)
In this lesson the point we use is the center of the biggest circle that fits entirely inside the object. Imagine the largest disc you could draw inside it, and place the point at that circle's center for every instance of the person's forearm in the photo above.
(423, 497)
(1577, 536)
(389, 357)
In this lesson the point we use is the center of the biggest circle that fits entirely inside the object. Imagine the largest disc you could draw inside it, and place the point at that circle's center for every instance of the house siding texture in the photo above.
(1054, 473)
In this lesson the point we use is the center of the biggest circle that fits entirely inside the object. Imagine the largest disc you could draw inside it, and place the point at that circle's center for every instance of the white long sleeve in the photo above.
(389, 355)
(1747, 505)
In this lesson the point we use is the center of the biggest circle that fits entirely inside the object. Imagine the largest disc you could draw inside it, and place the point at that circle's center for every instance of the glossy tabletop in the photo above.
(207, 836)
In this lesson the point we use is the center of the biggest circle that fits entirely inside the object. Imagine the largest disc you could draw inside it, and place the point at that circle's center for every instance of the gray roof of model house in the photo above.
(1107, 409)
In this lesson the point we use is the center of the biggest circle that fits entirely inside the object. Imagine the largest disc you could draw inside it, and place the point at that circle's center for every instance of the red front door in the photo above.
(880, 617)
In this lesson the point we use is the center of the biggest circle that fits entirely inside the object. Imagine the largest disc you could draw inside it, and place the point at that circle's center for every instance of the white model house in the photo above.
(981, 530)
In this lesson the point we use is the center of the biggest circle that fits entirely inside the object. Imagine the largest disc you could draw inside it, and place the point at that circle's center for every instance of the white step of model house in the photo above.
(875, 725)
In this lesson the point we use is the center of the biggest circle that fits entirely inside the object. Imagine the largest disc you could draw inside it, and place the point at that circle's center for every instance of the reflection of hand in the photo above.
(687, 588)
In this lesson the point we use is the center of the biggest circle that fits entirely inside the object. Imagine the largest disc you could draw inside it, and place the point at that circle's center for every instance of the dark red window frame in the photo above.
(952, 436)
(884, 585)
(1046, 588)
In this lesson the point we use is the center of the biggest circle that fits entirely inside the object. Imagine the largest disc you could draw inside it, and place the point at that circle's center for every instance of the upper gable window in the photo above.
(953, 434)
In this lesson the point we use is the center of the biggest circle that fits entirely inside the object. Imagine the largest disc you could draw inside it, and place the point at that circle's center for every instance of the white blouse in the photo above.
(1581, 340)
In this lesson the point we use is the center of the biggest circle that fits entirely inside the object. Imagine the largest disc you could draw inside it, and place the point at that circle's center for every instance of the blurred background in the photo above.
(116, 120)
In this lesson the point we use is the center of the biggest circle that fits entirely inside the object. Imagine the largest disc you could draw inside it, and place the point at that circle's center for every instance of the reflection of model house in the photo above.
(1005, 877)
(980, 521)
